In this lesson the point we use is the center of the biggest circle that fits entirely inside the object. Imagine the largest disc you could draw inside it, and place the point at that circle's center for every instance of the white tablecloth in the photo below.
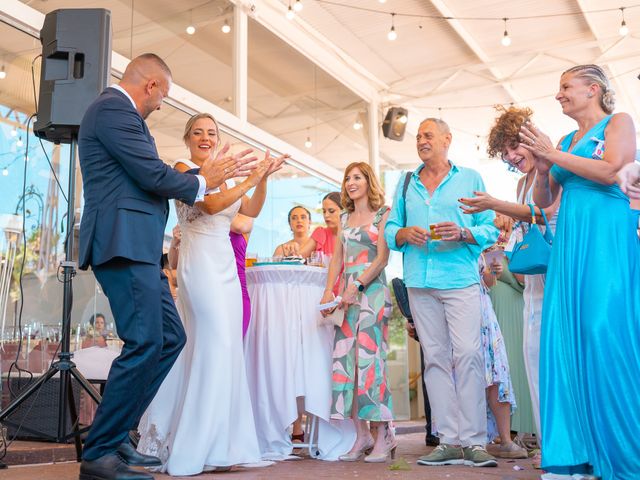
(289, 355)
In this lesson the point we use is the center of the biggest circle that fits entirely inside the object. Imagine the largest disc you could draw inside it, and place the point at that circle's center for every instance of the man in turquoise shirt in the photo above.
(441, 247)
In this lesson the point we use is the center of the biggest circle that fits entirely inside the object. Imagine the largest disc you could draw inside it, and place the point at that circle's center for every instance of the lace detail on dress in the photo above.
(151, 443)
(187, 214)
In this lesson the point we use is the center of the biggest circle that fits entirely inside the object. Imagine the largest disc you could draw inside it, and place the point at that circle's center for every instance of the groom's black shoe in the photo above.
(132, 457)
(110, 467)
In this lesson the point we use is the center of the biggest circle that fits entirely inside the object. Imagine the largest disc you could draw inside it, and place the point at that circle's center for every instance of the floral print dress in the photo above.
(496, 364)
(361, 344)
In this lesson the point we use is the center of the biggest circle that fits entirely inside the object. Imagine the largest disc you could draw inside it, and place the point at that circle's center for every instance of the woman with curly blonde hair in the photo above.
(504, 142)
(361, 343)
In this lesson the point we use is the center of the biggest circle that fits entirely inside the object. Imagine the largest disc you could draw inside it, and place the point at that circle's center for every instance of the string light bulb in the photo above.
(290, 13)
(308, 143)
(382, 1)
(14, 132)
(506, 39)
(392, 35)
(190, 29)
(5, 172)
(357, 125)
(624, 30)
(226, 28)
(19, 143)
(3, 73)
(298, 6)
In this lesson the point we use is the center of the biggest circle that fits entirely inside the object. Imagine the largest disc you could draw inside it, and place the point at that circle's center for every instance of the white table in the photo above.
(289, 356)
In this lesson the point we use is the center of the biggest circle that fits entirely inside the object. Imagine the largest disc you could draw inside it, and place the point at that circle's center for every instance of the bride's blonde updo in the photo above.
(595, 74)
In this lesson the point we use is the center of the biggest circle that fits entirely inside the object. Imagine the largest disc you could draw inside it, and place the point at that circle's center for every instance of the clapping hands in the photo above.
(539, 144)
(481, 202)
(266, 167)
(223, 167)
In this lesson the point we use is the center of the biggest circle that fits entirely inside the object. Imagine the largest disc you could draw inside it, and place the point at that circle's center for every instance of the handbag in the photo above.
(402, 298)
(531, 255)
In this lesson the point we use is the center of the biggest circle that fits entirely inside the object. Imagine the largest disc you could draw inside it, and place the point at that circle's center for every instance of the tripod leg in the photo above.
(27, 392)
(75, 420)
(84, 383)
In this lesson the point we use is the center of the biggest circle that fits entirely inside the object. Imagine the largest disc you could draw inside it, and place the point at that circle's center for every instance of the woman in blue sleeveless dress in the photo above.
(590, 341)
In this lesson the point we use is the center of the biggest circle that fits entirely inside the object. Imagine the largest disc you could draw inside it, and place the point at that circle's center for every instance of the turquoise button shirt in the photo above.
(439, 264)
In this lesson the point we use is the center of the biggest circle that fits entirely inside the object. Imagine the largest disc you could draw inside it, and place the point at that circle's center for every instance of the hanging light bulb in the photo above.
(290, 13)
(5, 172)
(14, 132)
(624, 30)
(226, 28)
(506, 39)
(3, 73)
(308, 143)
(190, 29)
(19, 143)
(298, 6)
(392, 35)
(357, 125)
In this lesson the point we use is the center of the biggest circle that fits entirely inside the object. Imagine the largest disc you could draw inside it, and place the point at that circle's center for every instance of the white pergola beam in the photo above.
(374, 137)
(619, 88)
(316, 47)
(240, 63)
(475, 47)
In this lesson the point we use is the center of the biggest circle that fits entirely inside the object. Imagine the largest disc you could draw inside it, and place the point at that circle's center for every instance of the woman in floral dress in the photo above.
(501, 400)
(361, 344)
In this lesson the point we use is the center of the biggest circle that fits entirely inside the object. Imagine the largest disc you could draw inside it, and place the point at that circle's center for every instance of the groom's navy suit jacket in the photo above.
(126, 185)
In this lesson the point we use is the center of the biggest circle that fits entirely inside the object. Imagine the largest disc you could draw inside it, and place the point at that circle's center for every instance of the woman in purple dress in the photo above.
(240, 230)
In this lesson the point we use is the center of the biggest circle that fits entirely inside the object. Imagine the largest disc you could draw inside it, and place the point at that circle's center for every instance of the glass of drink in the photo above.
(434, 235)
(250, 259)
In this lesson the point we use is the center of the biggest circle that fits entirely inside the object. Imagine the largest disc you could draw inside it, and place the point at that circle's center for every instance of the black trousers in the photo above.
(148, 323)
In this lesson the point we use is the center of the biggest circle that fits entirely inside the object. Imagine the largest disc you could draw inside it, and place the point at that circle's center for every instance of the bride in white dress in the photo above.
(201, 418)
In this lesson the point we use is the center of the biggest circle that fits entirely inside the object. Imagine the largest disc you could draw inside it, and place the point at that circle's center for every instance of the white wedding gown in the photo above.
(202, 415)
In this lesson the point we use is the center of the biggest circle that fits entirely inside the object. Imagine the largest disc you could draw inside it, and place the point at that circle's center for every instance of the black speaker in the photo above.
(37, 417)
(395, 123)
(76, 67)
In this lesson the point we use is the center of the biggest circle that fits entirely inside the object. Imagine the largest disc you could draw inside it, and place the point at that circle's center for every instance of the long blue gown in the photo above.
(590, 341)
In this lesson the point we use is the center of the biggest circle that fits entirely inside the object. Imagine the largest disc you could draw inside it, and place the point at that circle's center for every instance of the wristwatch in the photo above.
(464, 235)
(359, 285)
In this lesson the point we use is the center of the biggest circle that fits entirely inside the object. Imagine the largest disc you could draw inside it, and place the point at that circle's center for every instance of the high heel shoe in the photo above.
(382, 457)
(358, 454)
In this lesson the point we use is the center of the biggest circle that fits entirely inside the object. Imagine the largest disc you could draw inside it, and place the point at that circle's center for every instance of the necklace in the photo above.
(576, 138)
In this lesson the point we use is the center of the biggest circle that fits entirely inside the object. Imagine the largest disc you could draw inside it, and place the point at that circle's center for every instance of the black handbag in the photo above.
(399, 288)
(402, 298)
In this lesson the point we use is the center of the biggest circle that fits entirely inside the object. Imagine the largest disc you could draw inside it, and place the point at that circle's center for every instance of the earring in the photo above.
(589, 95)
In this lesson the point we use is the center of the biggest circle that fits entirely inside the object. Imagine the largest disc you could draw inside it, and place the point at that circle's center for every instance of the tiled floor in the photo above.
(410, 447)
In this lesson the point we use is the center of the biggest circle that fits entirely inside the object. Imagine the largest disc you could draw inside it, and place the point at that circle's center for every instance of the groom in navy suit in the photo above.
(126, 187)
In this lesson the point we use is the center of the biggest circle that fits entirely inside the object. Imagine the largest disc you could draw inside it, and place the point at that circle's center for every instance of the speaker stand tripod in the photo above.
(64, 366)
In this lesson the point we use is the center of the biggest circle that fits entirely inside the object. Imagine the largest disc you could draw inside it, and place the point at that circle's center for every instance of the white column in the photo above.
(240, 62)
(374, 137)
